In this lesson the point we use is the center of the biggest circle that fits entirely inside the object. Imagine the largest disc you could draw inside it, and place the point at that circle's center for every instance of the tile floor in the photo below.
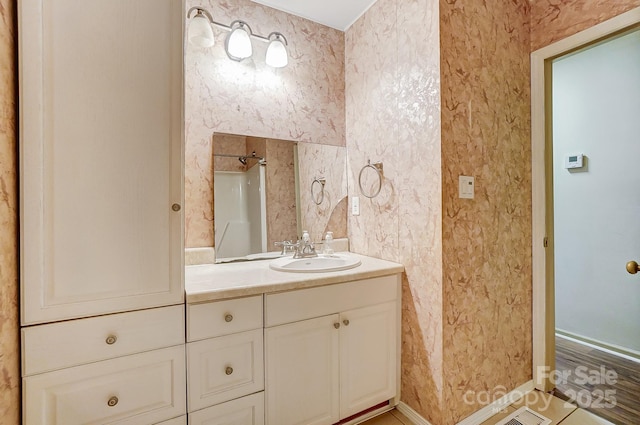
(560, 412)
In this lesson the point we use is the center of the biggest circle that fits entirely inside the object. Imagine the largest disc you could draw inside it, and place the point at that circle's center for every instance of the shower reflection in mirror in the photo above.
(254, 195)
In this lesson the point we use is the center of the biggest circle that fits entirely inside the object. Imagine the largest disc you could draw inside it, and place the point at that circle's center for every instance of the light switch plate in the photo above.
(467, 186)
(355, 205)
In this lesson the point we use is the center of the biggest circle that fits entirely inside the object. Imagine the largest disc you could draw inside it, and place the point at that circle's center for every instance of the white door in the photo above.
(301, 382)
(367, 357)
(596, 113)
(101, 156)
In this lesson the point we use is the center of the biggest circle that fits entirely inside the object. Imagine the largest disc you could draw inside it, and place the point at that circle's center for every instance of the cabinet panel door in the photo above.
(224, 368)
(303, 372)
(368, 355)
(247, 410)
(100, 156)
(139, 389)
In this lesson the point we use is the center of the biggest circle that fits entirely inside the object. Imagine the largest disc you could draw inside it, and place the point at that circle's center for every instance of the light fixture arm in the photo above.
(278, 35)
(200, 11)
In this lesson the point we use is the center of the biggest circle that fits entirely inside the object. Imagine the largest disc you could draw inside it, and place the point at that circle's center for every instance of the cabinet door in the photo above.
(303, 372)
(224, 368)
(100, 156)
(143, 388)
(368, 356)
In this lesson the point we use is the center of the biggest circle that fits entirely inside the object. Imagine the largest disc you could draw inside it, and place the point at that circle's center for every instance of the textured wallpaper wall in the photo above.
(486, 241)
(9, 337)
(448, 87)
(553, 20)
(303, 102)
(393, 67)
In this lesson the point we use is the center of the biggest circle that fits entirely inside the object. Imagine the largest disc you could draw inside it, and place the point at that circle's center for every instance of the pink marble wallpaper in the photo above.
(9, 322)
(393, 67)
(281, 194)
(229, 144)
(328, 162)
(303, 102)
(553, 20)
(487, 240)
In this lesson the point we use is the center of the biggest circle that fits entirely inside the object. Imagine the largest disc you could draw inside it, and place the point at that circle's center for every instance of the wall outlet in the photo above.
(467, 187)
(355, 205)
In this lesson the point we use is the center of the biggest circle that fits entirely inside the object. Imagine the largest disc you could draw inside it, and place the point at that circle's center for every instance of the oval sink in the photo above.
(318, 264)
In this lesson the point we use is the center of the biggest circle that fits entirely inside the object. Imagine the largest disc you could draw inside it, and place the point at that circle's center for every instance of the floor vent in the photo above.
(525, 416)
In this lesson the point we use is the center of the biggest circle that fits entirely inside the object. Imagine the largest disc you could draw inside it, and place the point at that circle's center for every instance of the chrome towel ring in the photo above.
(377, 167)
(318, 196)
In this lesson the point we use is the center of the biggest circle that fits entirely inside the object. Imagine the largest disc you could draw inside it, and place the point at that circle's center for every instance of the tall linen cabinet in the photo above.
(101, 196)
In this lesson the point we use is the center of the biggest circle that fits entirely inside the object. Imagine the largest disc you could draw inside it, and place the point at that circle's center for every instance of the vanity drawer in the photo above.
(293, 306)
(247, 410)
(224, 368)
(59, 345)
(142, 388)
(211, 319)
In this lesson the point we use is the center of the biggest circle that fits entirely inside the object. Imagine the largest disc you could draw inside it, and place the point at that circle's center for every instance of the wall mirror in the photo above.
(269, 190)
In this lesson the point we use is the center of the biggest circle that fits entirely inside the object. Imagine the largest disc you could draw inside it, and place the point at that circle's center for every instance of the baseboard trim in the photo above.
(411, 414)
(616, 350)
(478, 417)
(498, 405)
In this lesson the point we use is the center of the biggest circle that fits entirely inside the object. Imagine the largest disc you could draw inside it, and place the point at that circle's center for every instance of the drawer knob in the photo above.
(112, 401)
(228, 370)
(346, 322)
(111, 339)
(228, 318)
(336, 325)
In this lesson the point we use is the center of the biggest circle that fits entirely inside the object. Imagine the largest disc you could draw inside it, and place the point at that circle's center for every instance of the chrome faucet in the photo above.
(305, 248)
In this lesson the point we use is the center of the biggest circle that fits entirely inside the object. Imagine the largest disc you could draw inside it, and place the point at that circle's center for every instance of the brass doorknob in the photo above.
(633, 267)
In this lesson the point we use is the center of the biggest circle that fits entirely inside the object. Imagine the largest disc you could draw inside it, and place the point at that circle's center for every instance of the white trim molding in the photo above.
(481, 415)
(411, 414)
(543, 287)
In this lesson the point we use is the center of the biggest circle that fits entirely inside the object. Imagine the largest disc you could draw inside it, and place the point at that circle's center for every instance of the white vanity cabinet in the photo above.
(101, 222)
(225, 362)
(331, 351)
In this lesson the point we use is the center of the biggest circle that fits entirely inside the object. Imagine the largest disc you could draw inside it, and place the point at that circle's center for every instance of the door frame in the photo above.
(542, 187)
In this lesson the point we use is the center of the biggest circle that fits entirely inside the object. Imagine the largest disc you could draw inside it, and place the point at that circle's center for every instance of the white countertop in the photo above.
(218, 281)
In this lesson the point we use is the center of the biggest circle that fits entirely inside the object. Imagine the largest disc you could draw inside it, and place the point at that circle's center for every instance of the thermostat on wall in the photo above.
(573, 161)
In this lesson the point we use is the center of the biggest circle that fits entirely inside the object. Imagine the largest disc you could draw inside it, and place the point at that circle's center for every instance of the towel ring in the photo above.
(319, 198)
(377, 167)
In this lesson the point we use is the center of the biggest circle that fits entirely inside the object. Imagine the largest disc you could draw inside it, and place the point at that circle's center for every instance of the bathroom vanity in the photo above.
(278, 348)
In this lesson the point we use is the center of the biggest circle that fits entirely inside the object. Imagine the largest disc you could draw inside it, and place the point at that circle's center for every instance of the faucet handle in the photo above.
(286, 245)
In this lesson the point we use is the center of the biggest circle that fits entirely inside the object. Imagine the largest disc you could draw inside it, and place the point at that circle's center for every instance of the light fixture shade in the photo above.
(238, 44)
(277, 55)
(200, 31)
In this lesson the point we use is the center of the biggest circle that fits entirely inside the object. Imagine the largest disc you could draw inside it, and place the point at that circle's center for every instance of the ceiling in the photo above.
(338, 14)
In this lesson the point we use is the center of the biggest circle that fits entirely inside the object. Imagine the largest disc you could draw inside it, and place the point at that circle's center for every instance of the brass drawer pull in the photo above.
(112, 401)
(228, 370)
(346, 322)
(228, 318)
(336, 325)
(111, 339)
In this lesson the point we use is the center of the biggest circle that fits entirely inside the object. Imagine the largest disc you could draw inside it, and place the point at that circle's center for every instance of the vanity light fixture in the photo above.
(200, 31)
(238, 43)
(277, 56)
